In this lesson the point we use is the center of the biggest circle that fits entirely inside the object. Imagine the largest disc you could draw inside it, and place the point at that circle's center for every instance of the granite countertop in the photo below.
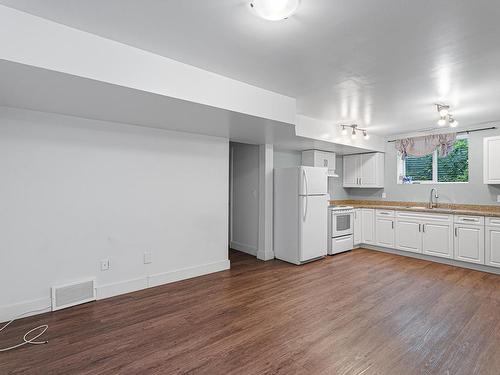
(443, 208)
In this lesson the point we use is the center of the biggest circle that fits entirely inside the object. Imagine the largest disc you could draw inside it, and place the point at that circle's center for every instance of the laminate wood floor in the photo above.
(362, 312)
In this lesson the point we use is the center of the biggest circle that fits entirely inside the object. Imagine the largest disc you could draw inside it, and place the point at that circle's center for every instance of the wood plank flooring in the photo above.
(362, 312)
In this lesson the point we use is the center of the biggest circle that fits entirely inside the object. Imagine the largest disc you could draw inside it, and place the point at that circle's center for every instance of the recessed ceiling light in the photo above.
(442, 122)
(274, 10)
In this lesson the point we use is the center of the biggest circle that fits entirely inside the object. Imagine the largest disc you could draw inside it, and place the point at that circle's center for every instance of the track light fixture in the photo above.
(445, 116)
(354, 130)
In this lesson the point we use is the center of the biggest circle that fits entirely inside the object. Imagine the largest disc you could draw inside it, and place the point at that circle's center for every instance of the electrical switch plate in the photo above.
(384, 195)
(498, 198)
(104, 264)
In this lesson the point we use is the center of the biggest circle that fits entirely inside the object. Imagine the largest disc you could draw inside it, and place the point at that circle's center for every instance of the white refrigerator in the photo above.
(300, 214)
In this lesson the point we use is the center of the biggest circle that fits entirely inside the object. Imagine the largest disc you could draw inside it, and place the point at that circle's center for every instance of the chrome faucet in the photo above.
(431, 199)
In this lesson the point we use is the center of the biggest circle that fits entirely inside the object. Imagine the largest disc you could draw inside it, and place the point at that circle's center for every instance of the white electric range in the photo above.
(340, 229)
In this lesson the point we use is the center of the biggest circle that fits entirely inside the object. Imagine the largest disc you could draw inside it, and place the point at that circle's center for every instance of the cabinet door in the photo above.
(408, 235)
(437, 239)
(368, 170)
(469, 243)
(351, 170)
(493, 246)
(384, 230)
(492, 160)
(357, 227)
(368, 226)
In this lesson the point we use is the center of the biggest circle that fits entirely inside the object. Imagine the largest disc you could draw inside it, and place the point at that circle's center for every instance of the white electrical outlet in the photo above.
(384, 195)
(104, 264)
(147, 257)
(498, 198)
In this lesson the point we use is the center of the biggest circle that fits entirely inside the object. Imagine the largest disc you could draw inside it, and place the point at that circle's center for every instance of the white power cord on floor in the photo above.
(43, 328)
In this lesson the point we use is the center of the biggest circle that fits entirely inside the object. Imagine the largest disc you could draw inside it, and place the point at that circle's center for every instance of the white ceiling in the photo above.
(381, 64)
(27, 87)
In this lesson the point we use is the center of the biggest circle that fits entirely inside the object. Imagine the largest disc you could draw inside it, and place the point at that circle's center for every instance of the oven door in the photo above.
(342, 223)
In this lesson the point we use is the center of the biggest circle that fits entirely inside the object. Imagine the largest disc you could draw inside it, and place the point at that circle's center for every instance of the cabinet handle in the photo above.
(423, 228)
(419, 228)
(392, 222)
(468, 219)
(456, 232)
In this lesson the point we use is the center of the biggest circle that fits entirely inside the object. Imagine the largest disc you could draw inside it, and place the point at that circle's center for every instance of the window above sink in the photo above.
(433, 169)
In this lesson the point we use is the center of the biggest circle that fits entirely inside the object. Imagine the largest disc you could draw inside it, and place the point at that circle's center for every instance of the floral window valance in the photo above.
(426, 145)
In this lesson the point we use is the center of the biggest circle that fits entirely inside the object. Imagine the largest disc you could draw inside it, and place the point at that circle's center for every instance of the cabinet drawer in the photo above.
(493, 221)
(469, 220)
(385, 213)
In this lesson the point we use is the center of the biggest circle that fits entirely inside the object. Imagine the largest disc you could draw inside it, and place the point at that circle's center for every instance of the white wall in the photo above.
(244, 234)
(474, 192)
(76, 191)
(287, 159)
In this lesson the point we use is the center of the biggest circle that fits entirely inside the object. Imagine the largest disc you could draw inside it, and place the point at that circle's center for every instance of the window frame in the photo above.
(401, 168)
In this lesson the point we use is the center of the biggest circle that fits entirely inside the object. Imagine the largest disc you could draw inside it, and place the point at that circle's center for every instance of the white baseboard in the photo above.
(249, 249)
(265, 255)
(187, 273)
(450, 262)
(34, 307)
(9, 312)
(121, 287)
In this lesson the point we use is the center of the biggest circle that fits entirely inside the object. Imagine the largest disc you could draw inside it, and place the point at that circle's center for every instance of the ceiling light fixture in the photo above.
(445, 116)
(353, 134)
(442, 121)
(354, 130)
(453, 122)
(274, 10)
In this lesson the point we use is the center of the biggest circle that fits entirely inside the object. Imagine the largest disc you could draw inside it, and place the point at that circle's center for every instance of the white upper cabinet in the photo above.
(351, 167)
(491, 160)
(364, 170)
(324, 159)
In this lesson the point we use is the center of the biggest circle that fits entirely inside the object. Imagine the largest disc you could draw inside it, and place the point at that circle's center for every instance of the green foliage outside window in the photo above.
(452, 168)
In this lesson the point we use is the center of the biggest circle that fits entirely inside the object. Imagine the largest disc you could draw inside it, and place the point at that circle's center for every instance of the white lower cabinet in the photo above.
(430, 234)
(368, 226)
(437, 239)
(385, 228)
(492, 246)
(469, 243)
(408, 235)
(357, 227)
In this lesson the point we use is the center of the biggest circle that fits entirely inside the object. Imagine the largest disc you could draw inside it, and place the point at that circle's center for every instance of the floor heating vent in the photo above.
(73, 294)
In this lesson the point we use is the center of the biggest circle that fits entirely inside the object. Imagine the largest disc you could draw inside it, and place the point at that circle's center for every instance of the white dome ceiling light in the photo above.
(274, 10)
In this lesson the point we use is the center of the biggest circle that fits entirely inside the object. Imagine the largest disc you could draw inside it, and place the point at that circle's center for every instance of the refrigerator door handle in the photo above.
(307, 193)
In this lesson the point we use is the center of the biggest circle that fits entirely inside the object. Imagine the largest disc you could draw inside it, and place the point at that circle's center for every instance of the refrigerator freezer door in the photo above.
(313, 222)
(313, 181)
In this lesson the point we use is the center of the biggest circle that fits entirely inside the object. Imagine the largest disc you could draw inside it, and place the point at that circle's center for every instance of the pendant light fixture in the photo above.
(274, 10)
